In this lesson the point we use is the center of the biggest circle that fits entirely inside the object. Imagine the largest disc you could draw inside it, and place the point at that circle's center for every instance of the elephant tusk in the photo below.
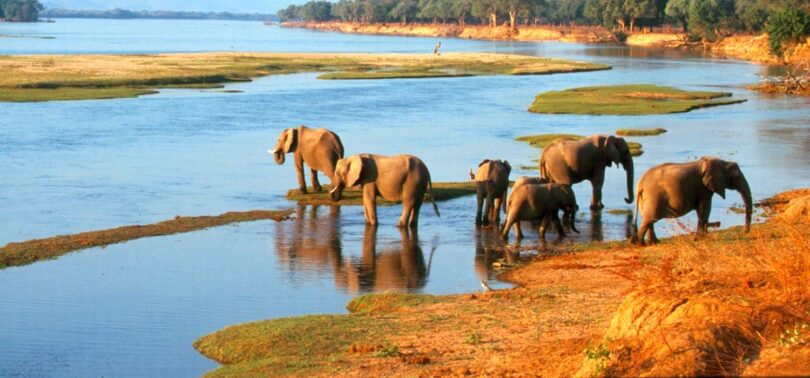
(272, 151)
(333, 190)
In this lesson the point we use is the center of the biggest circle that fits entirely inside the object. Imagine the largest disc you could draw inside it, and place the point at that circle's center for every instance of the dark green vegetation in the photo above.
(303, 344)
(542, 140)
(27, 252)
(634, 99)
(20, 10)
(442, 191)
(640, 132)
(76, 77)
(703, 19)
(159, 14)
(791, 25)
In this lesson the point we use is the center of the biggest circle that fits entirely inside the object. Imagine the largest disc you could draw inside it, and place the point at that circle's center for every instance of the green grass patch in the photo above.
(543, 140)
(27, 252)
(619, 211)
(291, 345)
(80, 77)
(640, 132)
(635, 99)
(442, 191)
(387, 302)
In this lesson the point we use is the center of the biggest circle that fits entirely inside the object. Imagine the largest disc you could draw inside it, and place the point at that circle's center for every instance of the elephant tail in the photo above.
(543, 169)
(433, 198)
(634, 237)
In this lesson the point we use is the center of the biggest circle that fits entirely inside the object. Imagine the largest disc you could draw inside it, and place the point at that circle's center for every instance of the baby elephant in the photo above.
(320, 149)
(532, 201)
(397, 178)
(492, 183)
(671, 190)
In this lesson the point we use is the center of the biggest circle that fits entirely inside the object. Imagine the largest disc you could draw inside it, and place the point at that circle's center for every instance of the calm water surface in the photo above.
(135, 308)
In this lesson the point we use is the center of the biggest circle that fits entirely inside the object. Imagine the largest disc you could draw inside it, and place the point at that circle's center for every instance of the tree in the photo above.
(459, 9)
(404, 10)
(317, 11)
(706, 17)
(513, 7)
(678, 10)
(20, 10)
(789, 25)
(752, 14)
(487, 10)
(636, 9)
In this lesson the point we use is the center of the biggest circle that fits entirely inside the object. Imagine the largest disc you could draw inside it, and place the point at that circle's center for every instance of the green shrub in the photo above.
(788, 26)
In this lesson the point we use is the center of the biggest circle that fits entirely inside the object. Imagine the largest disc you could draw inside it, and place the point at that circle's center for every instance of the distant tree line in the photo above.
(20, 10)
(787, 20)
(160, 14)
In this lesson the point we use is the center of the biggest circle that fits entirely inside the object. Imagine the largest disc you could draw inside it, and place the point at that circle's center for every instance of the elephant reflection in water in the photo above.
(393, 268)
(489, 248)
(311, 242)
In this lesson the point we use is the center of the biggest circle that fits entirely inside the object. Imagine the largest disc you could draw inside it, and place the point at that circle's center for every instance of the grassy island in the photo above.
(731, 303)
(80, 77)
(543, 140)
(640, 132)
(28, 252)
(635, 99)
(442, 191)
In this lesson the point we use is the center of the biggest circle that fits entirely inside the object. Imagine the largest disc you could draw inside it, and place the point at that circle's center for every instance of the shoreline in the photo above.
(718, 305)
(753, 48)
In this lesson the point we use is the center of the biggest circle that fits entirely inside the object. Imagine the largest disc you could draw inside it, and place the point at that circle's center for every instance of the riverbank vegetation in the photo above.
(541, 141)
(442, 191)
(27, 252)
(731, 303)
(20, 10)
(156, 14)
(75, 77)
(701, 19)
(633, 99)
(796, 81)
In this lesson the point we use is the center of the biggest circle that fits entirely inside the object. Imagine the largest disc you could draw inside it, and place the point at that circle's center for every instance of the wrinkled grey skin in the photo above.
(672, 190)
(397, 178)
(492, 184)
(540, 202)
(569, 162)
(319, 149)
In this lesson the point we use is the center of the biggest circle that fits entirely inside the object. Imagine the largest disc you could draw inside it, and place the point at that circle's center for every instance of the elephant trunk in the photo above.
(745, 193)
(628, 167)
(278, 156)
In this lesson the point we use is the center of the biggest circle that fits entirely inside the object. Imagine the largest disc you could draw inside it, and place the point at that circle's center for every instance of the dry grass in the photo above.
(28, 252)
(70, 77)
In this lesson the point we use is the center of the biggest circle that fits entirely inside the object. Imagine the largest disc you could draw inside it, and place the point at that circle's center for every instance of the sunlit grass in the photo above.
(543, 140)
(442, 191)
(76, 77)
(635, 99)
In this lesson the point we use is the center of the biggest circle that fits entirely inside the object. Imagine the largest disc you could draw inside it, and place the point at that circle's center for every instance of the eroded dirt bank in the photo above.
(745, 47)
(731, 303)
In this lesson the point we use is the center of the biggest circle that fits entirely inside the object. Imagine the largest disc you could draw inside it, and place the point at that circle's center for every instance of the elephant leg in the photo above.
(643, 230)
(315, 183)
(555, 217)
(370, 203)
(653, 238)
(506, 225)
(299, 171)
(479, 206)
(596, 185)
(704, 208)
(541, 230)
(518, 230)
(488, 208)
(415, 214)
(407, 210)
(496, 211)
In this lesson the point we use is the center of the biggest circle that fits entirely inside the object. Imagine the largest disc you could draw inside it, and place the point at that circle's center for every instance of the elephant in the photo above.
(320, 149)
(672, 190)
(492, 183)
(396, 178)
(540, 202)
(569, 162)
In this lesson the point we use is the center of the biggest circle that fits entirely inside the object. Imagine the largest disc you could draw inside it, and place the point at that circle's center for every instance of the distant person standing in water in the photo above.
(436, 49)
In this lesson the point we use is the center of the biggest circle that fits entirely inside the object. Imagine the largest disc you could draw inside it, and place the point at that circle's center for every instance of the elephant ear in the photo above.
(355, 171)
(614, 150)
(290, 140)
(508, 167)
(483, 162)
(714, 176)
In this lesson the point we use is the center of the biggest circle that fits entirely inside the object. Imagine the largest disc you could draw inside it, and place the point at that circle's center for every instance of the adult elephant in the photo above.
(569, 162)
(320, 149)
(671, 190)
(492, 184)
(402, 178)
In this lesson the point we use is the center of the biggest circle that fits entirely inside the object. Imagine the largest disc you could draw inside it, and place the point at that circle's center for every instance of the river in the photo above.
(135, 308)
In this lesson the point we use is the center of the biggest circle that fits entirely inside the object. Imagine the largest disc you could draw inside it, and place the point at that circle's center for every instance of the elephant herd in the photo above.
(668, 190)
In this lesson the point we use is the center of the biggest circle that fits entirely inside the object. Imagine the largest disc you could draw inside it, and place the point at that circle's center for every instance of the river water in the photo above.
(135, 308)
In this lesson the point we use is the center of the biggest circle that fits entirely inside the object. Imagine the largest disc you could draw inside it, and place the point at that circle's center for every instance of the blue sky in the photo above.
(236, 6)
